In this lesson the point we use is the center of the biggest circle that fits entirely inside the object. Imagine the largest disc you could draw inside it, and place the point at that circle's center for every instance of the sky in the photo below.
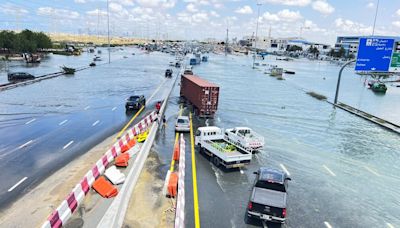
(315, 20)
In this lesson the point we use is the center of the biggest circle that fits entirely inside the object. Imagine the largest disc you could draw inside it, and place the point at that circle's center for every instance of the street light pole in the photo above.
(339, 77)
(255, 40)
(108, 31)
(376, 14)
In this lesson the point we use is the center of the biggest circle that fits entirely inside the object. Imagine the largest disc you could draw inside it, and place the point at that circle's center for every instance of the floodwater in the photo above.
(45, 125)
(344, 170)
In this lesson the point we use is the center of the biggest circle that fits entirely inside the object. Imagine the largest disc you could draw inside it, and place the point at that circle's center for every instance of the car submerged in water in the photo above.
(135, 102)
(19, 76)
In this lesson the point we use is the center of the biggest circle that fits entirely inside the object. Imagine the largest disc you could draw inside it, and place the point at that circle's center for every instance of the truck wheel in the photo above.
(216, 161)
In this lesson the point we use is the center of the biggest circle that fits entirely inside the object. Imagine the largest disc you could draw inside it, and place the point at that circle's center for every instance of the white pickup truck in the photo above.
(211, 142)
(245, 137)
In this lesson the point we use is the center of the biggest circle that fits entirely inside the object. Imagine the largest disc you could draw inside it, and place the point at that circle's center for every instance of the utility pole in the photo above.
(226, 42)
(255, 40)
(376, 14)
(108, 32)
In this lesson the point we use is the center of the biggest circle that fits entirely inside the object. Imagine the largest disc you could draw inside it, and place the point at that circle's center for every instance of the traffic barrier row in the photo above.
(180, 205)
(60, 215)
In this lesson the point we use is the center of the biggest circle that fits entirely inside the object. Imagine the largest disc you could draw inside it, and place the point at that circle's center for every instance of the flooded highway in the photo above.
(344, 169)
(45, 125)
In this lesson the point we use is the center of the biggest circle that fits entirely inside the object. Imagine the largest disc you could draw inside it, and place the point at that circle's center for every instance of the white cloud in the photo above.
(53, 12)
(396, 23)
(323, 7)
(289, 2)
(398, 12)
(96, 12)
(200, 17)
(191, 8)
(370, 5)
(287, 15)
(351, 27)
(214, 14)
(80, 1)
(244, 10)
(283, 15)
(115, 7)
(12, 9)
(157, 3)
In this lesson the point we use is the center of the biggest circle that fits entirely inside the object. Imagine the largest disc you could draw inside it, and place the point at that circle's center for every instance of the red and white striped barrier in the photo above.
(180, 205)
(63, 212)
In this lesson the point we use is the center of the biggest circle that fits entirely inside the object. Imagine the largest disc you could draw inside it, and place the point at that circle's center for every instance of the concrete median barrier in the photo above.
(77, 195)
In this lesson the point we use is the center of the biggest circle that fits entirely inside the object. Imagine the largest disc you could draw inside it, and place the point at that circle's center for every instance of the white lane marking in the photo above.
(159, 87)
(207, 122)
(284, 169)
(113, 109)
(372, 171)
(30, 121)
(327, 224)
(68, 144)
(18, 183)
(63, 122)
(329, 171)
(389, 225)
(241, 172)
(25, 144)
(95, 123)
(87, 107)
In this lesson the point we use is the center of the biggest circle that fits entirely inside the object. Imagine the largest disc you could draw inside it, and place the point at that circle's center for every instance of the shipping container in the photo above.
(203, 95)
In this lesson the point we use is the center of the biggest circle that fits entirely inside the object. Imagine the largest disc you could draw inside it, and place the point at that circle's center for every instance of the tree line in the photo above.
(24, 41)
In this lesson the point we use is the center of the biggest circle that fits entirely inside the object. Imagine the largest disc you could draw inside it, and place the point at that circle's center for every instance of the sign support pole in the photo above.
(339, 77)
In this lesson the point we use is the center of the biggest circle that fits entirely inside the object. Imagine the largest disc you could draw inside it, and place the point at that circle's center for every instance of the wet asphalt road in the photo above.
(344, 169)
(46, 125)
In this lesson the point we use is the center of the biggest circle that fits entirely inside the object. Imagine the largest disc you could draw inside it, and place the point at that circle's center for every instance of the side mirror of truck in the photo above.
(288, 178)
(255, 172)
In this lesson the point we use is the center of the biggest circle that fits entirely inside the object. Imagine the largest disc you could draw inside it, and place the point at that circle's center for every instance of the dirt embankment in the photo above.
(148, 207)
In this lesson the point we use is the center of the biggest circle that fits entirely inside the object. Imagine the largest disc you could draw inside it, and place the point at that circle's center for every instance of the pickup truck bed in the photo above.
(269, 197)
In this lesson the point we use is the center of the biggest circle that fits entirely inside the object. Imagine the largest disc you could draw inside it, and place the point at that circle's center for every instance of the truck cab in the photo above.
(207, 133)
(268, 198)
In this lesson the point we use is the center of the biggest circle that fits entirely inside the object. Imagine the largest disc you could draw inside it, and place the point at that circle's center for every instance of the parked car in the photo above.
(268, 197)
(168, 73)
(182, 124)
(19, 76)
(135, 102)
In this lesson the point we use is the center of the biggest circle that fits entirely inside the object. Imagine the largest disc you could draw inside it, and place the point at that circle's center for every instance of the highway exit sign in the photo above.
(374, 54)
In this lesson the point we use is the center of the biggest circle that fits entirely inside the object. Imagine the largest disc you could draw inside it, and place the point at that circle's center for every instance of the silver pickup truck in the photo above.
(268, 197)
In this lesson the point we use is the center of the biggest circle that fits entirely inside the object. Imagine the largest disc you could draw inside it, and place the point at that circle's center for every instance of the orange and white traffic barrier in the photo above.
(180, 204)
(59, 216)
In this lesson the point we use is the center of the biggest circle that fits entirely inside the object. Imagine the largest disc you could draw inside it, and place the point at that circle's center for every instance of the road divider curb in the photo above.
(63, 212)
(180, 205)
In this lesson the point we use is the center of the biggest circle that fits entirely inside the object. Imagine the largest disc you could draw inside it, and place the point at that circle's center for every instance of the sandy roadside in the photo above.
(147, 206)
(33, 208)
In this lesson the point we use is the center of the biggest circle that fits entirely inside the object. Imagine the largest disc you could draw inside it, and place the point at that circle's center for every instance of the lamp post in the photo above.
(255, 40)
(108, 32)
(339, 77)
(376, 14)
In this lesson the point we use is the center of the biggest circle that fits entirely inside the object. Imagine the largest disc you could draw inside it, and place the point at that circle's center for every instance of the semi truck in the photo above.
(211, 142)
(203, 95)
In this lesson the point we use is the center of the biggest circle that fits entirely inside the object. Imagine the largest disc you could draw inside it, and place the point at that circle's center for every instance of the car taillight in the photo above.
(250, 206)
(284, 212)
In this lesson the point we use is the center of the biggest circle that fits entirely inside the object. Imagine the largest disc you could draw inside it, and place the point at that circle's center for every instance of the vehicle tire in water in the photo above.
(216, 161)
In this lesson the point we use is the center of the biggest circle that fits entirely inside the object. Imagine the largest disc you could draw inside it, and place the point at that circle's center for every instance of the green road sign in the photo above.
(395, 61)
